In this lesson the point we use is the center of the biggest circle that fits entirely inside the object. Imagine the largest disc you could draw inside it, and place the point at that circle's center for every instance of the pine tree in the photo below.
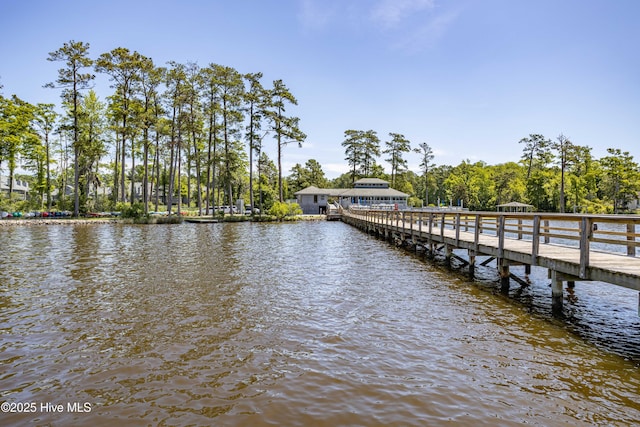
(73, 80)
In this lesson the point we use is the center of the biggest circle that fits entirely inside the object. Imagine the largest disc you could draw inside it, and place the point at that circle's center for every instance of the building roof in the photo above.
(313, 190)
(351, 192)
(515, 207)
(376, 181)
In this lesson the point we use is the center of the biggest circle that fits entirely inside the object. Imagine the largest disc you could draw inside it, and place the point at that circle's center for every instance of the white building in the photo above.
(365, 192)
(19, 186)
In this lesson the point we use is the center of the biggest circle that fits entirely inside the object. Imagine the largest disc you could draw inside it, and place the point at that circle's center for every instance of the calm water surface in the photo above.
(305, 324)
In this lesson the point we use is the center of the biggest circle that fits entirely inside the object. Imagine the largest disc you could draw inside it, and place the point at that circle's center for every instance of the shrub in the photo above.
(294, 209)
(281, 210)
(134, 211)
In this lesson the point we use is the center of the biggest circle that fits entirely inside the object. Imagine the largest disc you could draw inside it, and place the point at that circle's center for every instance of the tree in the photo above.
(231, 89)
(621, 181)
(509, 182)
(92, 143)
(175, 83)
(195, 131)
(298, 178)
(353, 148)
(211, 103)
(267, 182)
(396, 147)
(124, 69)
(285, 128)
(73, 80)
(566, 154)
(255, 97)
(150, 79)
(426, 156)
(45, 119)
(371, 147)
(582, 179)
(17, 136)
(315, 173)
(361, 148)
(304, 176)
(536, 150)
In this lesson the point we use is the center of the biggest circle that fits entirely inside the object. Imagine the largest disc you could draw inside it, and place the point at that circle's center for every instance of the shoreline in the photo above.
(54, 221)
(89, 221)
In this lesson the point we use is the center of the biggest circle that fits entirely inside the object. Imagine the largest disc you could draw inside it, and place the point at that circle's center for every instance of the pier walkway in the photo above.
(573, 247)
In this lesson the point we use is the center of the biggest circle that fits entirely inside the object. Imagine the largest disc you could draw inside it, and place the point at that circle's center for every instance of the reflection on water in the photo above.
(308, 324)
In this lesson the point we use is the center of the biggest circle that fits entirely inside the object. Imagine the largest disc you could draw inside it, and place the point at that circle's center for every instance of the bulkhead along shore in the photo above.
(60, 221)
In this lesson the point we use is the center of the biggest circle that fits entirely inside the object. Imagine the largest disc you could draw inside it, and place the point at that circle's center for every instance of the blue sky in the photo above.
(469, 77)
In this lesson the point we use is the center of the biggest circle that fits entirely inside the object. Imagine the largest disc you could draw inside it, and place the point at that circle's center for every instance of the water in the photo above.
(305, 324)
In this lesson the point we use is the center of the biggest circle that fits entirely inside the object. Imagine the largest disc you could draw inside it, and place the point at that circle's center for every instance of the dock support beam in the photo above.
(503, 271)
(472, 264)
(556, 291)
(448, 252)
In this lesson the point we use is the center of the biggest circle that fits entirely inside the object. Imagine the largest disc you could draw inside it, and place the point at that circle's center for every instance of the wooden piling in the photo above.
(503, 271)
(556, 290)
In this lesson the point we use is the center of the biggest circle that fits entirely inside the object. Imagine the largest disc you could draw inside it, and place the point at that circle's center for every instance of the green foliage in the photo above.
(294, 209)
(285, 128)
(621, 180)
(280, 210)
(302, 177)
(128, 210)
(415, 202)
(361, 148)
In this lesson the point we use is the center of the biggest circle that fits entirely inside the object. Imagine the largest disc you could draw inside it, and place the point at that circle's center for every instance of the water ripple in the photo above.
(294, 324)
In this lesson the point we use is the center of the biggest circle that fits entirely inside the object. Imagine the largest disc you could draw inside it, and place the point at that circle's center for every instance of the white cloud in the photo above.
(390, 13)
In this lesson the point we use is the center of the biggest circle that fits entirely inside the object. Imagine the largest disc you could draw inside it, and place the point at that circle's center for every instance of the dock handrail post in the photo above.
(501, 237)
(430, 239)
(442, 227)
(457, 230)
(476, 232)
(631, 230)
(411, 222)
(585, 237)
(547, 239)
(535, 240)
(519, 228)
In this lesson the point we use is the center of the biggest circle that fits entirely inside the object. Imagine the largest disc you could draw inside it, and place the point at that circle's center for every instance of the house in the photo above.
(365, 192)
(20, 187)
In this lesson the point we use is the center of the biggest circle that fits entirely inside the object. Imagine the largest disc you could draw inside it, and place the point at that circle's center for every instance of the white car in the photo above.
(225, 209)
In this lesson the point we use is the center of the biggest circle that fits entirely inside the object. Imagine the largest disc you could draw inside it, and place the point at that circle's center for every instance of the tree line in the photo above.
(182, 133)
(178, 133)
(551, 175)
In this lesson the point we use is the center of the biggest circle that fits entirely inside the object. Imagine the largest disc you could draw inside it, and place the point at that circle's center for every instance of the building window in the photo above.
(315, 198)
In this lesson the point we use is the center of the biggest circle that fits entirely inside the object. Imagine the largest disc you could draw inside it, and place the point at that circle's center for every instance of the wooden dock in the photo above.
(334, 212)
(573, 247)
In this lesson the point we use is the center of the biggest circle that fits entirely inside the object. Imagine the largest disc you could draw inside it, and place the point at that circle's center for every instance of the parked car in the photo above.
(4, 214)
(249, 211)
(224, 209)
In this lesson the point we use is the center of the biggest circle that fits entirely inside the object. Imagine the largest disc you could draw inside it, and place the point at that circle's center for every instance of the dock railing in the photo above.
(616, 234)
